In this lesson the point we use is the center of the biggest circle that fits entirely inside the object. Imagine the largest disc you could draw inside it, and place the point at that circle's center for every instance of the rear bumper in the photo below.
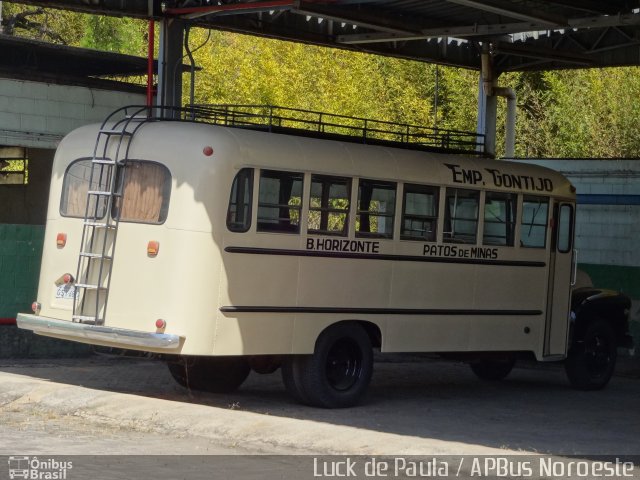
(98, 334)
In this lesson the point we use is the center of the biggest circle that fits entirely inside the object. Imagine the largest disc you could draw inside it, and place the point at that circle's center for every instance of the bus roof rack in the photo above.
(308, 123)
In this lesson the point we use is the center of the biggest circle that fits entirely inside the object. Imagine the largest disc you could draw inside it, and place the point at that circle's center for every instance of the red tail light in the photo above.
(36, 307)
(67, 278)
(61, 240)
(160, 324)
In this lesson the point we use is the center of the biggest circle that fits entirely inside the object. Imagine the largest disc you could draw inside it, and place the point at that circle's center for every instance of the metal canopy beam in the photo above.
(508, 9)
(489, 30)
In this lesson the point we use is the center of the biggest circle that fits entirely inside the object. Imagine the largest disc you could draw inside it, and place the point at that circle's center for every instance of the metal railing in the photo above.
(322, 124)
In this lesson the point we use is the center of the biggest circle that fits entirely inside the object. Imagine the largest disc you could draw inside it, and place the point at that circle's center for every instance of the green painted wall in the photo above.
(20, 255)
(624, 279)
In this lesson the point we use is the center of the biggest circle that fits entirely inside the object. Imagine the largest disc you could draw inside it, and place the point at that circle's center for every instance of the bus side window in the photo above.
(419, 213)
(329, 205)
(239, 212)
(279, 201)
(499, 219)
(376, 208)
(461, 215)
(533, 228)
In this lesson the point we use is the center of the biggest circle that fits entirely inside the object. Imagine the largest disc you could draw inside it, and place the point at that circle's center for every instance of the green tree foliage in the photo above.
(52, 25)
(122, 35)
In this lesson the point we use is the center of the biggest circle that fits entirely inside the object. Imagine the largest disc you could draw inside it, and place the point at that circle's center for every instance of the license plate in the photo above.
(65, 291)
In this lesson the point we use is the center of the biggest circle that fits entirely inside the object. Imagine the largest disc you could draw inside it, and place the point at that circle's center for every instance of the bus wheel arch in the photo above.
(338, 372)
(209, 374)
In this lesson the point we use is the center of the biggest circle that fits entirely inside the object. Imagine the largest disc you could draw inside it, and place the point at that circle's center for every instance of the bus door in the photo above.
(561, 266)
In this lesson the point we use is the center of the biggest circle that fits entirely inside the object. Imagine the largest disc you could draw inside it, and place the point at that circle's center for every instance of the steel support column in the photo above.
(170, 62)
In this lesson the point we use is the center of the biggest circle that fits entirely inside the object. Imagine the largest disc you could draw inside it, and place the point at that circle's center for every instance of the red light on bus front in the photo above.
(61, 240)
(152, 248)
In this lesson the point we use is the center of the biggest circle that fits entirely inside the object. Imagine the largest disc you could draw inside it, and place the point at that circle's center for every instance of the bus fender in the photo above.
(589, 304)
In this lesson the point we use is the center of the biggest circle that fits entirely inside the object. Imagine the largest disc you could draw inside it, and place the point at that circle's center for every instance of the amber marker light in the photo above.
(152, 248)
(61, 240)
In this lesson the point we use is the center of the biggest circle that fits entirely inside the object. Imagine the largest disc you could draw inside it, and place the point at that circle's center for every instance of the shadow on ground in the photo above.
(533, 409)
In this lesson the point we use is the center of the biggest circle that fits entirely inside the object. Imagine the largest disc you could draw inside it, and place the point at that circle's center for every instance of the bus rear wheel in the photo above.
(493, 369)
(590, 362)
(210, 374)
(337, 374)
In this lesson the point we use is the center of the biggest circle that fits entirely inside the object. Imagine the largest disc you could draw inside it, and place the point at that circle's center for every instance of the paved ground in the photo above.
(426, 407)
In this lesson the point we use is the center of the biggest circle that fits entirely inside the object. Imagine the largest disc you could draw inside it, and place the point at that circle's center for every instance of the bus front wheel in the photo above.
(339, 371)
(591, 361)
(210, 374)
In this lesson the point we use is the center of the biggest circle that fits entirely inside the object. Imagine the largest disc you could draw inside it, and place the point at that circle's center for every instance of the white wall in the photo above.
(35, 114)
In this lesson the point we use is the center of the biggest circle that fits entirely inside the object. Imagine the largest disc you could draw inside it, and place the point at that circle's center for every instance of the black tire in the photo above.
(591, 361)
(337, 374)
(493, 370)
(210, 374)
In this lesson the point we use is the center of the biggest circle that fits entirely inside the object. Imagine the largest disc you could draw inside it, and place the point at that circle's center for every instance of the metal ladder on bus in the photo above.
(102, 214)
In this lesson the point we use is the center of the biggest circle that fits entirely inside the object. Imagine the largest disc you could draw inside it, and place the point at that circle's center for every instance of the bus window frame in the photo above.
(546, 224)
(249, 206)
(436, 191)
(391, 216)
(300, 208)
(446, 215)
(570, 231)
(326, 179)
(514, 197)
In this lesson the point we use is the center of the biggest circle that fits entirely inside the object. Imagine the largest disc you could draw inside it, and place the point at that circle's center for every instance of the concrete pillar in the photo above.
(170, 63)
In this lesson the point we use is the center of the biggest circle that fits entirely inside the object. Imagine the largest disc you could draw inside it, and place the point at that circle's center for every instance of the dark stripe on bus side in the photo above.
(375, 311)
(369, 256)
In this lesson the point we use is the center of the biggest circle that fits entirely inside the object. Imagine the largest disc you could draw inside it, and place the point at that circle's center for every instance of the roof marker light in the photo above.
(208, 150)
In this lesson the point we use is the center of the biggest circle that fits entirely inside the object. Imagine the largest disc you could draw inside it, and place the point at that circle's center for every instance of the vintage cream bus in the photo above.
(226, 248)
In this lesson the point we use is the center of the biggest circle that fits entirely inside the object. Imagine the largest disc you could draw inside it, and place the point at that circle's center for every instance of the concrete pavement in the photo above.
(413, 408)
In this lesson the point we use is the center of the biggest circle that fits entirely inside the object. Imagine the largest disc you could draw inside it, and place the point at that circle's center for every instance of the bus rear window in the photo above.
(146, 191)
(147, 187)
(73, 201)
